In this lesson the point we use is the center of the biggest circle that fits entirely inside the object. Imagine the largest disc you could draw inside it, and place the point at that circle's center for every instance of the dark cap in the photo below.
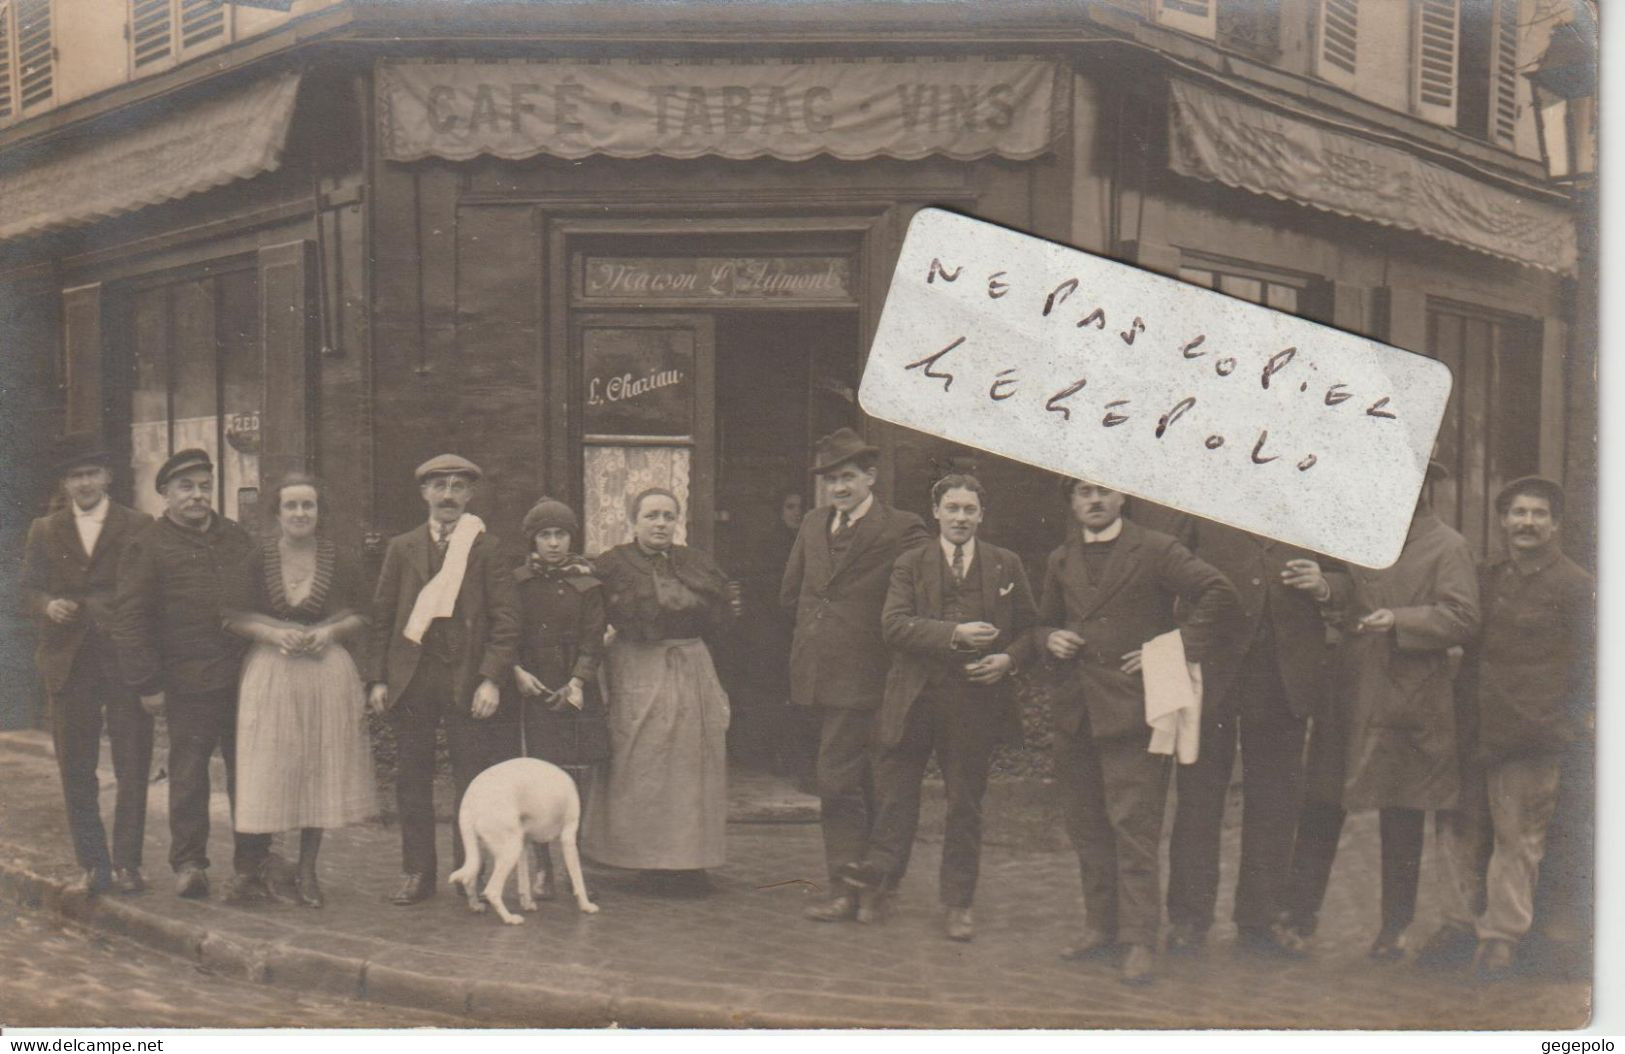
(549, 512)
(182, 461)
(79, 450)
(448, 465)
(1551, 490)
(839, 447)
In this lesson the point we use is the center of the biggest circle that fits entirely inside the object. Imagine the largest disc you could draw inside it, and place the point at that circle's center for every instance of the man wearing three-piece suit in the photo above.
(835, 584)
(70, 570)
(1109, 589)
(953, 615)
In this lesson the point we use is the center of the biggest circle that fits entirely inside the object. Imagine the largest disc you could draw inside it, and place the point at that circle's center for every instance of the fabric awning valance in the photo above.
(233, 135)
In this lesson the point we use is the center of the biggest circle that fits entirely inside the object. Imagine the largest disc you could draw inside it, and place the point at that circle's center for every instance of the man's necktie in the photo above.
(442, 537)
(959, 563)
(843, 522)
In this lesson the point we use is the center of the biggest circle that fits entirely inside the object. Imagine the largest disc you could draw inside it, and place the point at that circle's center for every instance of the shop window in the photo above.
(164, 32)
(1295, 294)
(197, 380)
(27, 57)
(1490, 434)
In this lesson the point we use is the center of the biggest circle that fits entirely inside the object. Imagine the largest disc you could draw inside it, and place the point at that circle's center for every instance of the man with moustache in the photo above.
(70, 569)
(1109, 589)
(176, 654)
(953, 615)
(445, 630)
(835, 583)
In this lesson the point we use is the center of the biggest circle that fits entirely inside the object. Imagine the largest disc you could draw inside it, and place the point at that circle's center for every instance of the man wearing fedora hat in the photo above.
(176, 654)
(835, 584)
(70, 571)
(445, 629)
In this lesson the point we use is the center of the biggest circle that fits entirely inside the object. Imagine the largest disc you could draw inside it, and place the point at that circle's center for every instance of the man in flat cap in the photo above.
(175, 652)
(835, 584)
(444, 632)
(70, 570)
(1528, 688)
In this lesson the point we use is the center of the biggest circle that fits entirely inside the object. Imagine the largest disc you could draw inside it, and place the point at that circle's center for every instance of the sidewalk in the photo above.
(744, 956)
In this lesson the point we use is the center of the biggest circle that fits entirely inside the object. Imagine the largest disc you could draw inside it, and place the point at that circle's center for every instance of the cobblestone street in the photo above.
(742, 956)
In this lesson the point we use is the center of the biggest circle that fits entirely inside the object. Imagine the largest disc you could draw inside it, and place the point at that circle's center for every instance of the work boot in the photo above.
(192, 883)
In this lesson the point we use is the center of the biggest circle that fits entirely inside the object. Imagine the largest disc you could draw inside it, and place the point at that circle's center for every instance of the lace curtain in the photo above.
(613, 475)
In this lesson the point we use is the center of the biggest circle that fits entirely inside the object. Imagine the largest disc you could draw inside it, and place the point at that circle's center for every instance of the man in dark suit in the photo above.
(444, 630)
(1261, 687)
(174, 651)
(70, 571)
(835, 583)
(952, 614)
(1109, 589)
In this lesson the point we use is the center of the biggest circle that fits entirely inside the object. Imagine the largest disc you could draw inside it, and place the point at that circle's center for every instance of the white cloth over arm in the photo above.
(1173, 697)
(438, 597)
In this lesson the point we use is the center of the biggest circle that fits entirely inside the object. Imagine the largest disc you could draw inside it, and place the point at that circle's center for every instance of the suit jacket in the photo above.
(912, 623)
(55, 565)
(837, 656)
(1253, 564)
(1132, 602)
(485, 618)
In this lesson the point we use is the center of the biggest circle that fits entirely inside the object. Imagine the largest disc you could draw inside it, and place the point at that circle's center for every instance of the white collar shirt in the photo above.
(1109, 534)
(948, 551)
(89, 522)
(854, 516)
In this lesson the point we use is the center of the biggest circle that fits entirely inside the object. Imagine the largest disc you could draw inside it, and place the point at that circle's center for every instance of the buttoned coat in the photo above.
(1132, 602)
(485, 617)
(921, 638)
(55, 565)
(1253, 564)
(837, 656)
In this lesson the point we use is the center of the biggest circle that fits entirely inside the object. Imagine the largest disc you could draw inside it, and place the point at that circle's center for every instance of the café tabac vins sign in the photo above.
(964, 109)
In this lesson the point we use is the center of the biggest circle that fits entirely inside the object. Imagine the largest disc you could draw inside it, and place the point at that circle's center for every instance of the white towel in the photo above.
(438, 597)
(1173, 697)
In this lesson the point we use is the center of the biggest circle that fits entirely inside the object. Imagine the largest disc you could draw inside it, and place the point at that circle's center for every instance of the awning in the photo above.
(234, 135)
(1218, 137)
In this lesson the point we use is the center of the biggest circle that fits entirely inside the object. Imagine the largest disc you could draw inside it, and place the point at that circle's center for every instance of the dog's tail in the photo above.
(465, 877)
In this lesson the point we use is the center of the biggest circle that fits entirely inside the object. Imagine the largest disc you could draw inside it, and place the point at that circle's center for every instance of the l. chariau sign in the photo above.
(788, 110)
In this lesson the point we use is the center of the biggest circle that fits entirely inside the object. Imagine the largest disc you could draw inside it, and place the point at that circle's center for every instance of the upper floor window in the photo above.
(1488, 107)
(1190, 16)
(164, 32)
(27, 57)
(1297, 294)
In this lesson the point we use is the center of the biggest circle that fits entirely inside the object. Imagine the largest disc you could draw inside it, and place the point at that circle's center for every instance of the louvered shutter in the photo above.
(1435, 53)
(1197, 17)
(203, 25)
(1337, 44)
(8, 90)
(1504, 74)
(35, 53)
(152, 34)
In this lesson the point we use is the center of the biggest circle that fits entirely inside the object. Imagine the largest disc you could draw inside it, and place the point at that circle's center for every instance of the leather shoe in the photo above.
(91, 883)
(415, 888)
(1493, 959)
(862, 874)
(1449, 946)
(1185, 939)
(1277, 940)
(192, 883)
(872, 906)
(308, 891)
(1091, 944)
(841, 908)
(129, 880)
(958, 924)
(1139, 965)
(1388, 947)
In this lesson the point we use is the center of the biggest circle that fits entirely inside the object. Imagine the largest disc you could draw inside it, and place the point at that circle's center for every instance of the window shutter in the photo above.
(1337, 46)
(8, 91)
(80, 370)
(1435, 53)
(35, 55)
(151, 33)
(1197, 17)
(203, 23)
(1504, 74)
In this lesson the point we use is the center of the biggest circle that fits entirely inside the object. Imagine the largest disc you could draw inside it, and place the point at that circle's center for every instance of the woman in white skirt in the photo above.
(303, 757)
(664, 803)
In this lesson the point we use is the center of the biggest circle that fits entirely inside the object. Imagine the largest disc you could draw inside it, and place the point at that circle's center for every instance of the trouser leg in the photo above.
(1523, 798)
(475, 744)
(1401, 834)
(1320, 828)
(1193, 854)
(194, 732)
(1083, 803)
(129, 728)
(899, 771)
(965, 754)
(416, 714)
(845, 786)
(1136, 784)
(1272, 741)
(1460, 837)
(76, 731)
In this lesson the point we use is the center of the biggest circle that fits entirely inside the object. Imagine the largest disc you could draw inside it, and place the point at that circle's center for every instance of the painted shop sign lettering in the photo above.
(639, 381)
(1151, 386)
(788, 110)
(738, 277)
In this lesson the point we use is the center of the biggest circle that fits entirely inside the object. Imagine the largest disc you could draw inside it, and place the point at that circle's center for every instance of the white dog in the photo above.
(521, 800)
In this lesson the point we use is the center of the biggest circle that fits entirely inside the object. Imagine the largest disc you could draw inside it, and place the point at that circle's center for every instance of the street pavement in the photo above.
(743, 956)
